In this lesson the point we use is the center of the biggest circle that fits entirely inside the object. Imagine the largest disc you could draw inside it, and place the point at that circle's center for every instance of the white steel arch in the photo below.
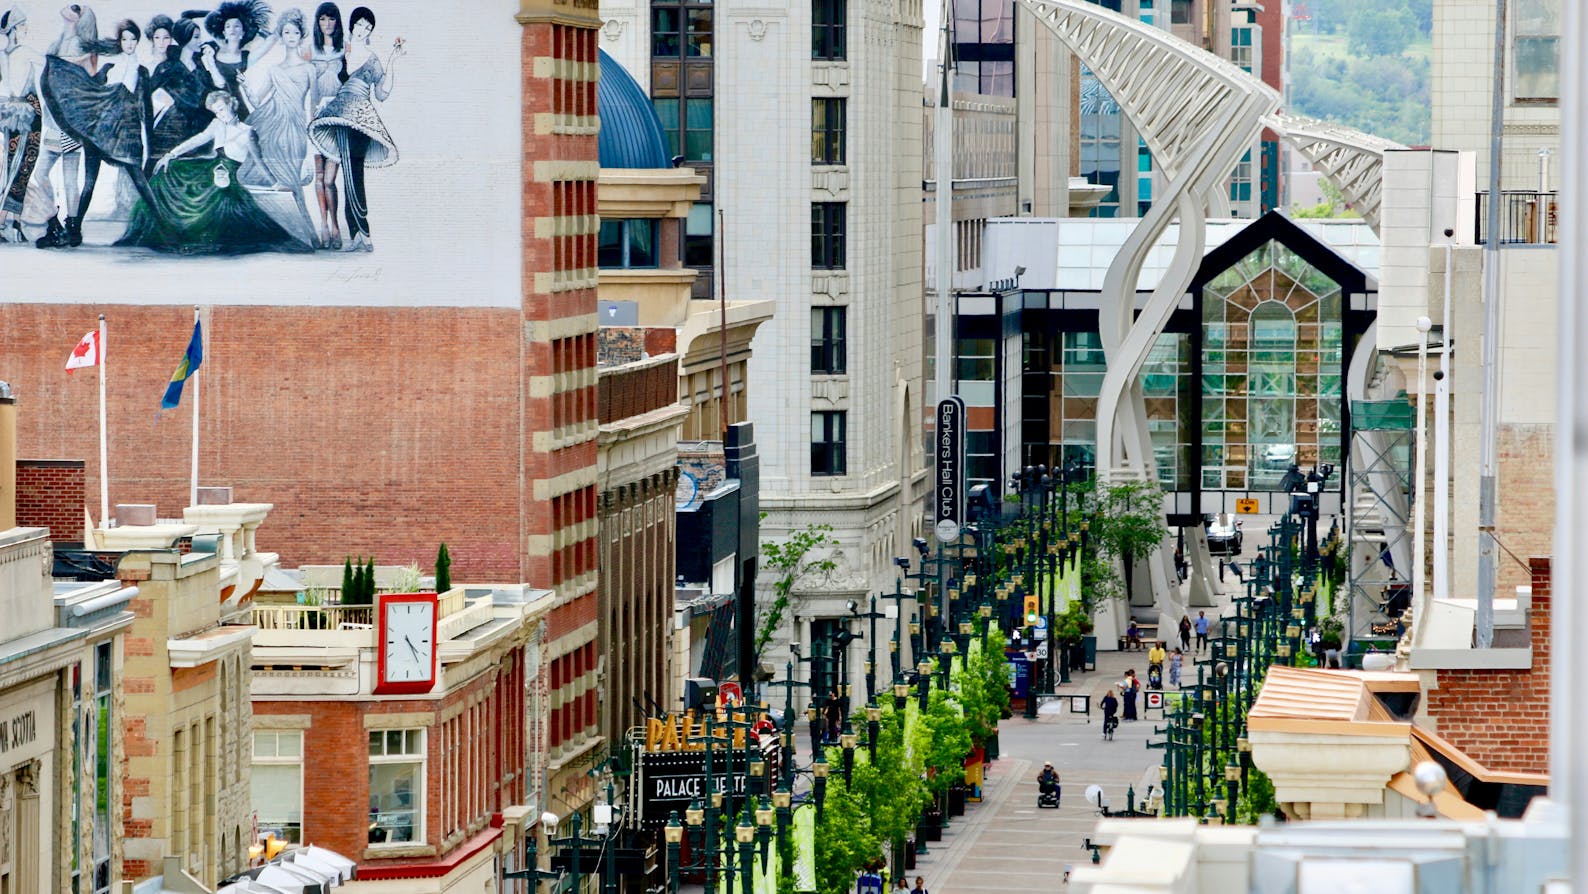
(1352, 160)
(1198, 114)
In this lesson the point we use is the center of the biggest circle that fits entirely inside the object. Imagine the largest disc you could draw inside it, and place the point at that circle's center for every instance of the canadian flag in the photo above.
(86, 353)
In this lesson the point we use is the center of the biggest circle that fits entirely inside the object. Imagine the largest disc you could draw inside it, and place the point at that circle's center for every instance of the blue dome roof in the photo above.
(631, 134)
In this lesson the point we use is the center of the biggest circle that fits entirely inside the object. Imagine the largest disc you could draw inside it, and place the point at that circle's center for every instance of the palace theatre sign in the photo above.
(671, 772)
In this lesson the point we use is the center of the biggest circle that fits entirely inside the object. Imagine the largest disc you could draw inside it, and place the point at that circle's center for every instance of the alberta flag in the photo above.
(185, 369)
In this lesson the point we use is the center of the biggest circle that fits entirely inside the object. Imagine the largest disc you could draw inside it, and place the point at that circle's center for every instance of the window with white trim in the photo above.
(396, 786)
(277, 781)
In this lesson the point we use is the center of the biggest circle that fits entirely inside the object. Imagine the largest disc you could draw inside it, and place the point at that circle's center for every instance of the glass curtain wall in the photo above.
(1273, 336)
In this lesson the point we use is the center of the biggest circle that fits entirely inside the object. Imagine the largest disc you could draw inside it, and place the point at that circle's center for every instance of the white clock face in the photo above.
(410, 641)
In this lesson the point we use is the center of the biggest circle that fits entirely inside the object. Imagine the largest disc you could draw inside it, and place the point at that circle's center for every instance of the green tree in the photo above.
(349, 582)
(942, 739)
(804, 551)
(443, 569)
(1381, 31)
(981, 688)
(845, 842)
(1125, 522)
(369, 581)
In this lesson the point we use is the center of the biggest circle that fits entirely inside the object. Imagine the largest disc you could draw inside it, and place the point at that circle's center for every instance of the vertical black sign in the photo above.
(948, 482)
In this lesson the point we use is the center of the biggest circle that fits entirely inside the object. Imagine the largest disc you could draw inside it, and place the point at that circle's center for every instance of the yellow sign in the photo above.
(1247, 506)
(687, 731)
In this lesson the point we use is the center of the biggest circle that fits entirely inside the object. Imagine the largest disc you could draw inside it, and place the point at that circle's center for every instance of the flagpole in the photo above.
(193, 491)
(104, 465)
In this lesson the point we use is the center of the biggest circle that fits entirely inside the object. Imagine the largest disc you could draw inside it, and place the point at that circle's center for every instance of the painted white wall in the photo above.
(446, 231)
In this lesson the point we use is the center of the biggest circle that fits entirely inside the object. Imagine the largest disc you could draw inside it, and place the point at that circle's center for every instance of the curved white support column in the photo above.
(1197, 114)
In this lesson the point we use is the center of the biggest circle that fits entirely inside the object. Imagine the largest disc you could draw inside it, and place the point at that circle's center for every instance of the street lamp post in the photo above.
(871, 644)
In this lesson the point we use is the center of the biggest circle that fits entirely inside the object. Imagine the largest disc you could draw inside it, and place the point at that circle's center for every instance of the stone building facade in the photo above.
(185, 789)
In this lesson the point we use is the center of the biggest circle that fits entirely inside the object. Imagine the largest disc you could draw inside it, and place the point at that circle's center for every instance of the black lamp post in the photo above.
(871, 644)
(673, 833)
(533, 873)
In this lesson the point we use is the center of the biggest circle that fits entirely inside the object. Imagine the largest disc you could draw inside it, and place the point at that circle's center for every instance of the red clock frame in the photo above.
(413, 687)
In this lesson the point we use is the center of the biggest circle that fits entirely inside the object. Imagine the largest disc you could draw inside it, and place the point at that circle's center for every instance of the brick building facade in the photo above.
(1501, 717)
(50, 495)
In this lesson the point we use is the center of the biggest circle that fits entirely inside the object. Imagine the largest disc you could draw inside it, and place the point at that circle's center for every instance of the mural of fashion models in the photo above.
(21, 121)
(349, 127)
(214, 122)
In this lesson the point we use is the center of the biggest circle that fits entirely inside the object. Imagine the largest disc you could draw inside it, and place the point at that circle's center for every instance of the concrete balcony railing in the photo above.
(314, 617)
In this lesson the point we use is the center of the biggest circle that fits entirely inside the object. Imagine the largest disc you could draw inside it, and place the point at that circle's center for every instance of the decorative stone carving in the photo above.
(757, 29)
(612, 30)
(28, 778)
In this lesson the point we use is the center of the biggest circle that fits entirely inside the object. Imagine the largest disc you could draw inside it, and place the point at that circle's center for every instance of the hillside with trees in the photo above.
(1364, 64)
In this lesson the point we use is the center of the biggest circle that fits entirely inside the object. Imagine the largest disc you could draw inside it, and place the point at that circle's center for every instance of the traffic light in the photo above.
(1033, 609)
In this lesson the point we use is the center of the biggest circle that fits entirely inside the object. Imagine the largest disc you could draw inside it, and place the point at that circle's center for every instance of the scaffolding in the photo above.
(1378, 528)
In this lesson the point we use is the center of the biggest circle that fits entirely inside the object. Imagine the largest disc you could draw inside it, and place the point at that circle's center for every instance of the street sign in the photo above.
(948, 482)
(1248, 506)
(1041, 653)
(1042, 624)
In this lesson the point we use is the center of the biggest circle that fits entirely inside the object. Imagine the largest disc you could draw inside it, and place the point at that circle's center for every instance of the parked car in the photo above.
(1279, 456)
(1224, 535)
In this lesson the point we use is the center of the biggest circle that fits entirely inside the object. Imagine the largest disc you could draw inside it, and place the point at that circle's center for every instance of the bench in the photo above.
(1149, 635)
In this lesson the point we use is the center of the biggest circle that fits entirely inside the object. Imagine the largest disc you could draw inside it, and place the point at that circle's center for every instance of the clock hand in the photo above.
(411, 646)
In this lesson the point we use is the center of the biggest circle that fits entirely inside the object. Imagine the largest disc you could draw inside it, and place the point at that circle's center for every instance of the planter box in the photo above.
(956, 801)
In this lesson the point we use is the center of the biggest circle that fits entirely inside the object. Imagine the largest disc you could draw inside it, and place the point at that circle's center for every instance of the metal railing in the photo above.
(1526, 217)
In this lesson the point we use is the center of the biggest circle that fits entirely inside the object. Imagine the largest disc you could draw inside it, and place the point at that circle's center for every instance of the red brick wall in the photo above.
(374, 431)
(50, 495)
(559, 317)
(478, 766)
(1501, 717)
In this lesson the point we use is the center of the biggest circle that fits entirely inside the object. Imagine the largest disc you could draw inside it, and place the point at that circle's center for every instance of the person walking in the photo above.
(920, 886)
(1110, 706)
(870, 882)
(1202, 630)
(1185, 632)
(1176, 659)
(1128, 688)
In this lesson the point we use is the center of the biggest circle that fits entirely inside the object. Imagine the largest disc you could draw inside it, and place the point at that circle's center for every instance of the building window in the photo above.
(688, 125)
(827, 131)
(99, 738)
(627, 243)
(827, 29)
(827, 339)
(680, 28)
(828, 437)
(697, 235)
(1241, 49)
(1179, 12)
(1536, 51)
(277, 781)
(1241, 184)
(396, 786)
(827, 235)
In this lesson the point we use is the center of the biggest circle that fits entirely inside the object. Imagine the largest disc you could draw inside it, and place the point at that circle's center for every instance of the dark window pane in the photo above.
(700, 32)
(827, 29)
(697, 129)
(827, 235)
(664, 31)
(697, 236)
(828, 353)
(641, 243)
(667, 111)
(827, 443)
(609, 251)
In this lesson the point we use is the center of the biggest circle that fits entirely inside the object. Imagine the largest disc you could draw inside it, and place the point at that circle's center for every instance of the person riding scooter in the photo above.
(1048, 786)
